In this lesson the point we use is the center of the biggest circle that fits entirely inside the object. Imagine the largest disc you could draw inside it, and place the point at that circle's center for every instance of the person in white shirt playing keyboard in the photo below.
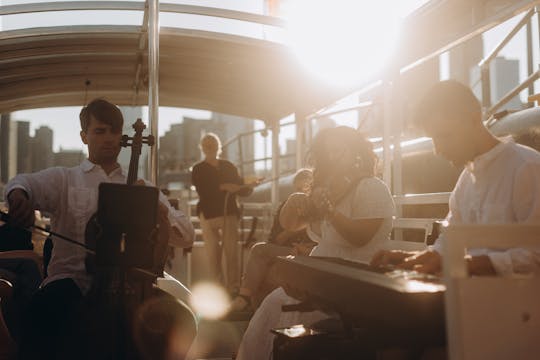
(500, 183)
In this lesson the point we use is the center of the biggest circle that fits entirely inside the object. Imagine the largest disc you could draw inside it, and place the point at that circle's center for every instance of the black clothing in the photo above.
(51, 319)
(206, 178)
(14, 238)
(25, 277)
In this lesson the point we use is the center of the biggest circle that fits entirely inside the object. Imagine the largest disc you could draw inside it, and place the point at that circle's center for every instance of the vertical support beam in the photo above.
(309, 132)
(265, 153)
(537, 9)
(241, 155)
(5, 152)
(397, 127)
(530, 60)
(153, 85)
(486, 88)
(387, 133)
(276, 157)
(300, 122)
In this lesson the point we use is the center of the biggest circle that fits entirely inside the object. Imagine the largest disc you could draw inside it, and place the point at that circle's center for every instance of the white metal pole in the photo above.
(300, 121)
(153, 84)
(396, 118)
(387, 134)
(275, 164)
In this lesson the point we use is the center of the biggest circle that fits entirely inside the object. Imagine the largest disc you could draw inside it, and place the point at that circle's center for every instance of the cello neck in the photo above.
(136, 147)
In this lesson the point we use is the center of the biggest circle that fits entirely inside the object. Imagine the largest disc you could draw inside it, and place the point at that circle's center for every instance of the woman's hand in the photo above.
(320, 199)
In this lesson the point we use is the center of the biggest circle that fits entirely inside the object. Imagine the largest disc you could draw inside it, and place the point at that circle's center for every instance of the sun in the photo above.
(344, 42)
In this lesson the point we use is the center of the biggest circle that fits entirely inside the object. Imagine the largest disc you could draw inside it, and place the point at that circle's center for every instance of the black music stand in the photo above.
(127, 215)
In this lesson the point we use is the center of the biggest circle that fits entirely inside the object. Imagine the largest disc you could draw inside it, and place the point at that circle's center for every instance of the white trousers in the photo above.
(220, 235)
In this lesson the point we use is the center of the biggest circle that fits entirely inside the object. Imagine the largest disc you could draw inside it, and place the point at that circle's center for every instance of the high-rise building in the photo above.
(24, 163)
(8, 148)
(504, 76)
(68, 158)
(42, 149)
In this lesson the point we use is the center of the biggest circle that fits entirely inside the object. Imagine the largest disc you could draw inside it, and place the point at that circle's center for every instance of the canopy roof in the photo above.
(254, 78)
(66, 65)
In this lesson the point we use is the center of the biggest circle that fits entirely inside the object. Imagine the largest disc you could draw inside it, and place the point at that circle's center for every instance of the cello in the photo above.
(130, 254)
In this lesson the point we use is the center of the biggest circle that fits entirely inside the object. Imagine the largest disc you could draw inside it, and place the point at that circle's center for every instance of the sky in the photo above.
(64, 121)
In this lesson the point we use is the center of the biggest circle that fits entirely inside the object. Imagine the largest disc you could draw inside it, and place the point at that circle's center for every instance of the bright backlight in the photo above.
(343, 41)
(209, 301)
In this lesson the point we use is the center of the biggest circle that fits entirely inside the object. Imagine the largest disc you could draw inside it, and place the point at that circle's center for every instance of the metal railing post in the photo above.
(300, 120)
(387, 133)
(397, 126)
(241, 155)
(530, 64)
(153, 85)
(275, 163)
(486, 87)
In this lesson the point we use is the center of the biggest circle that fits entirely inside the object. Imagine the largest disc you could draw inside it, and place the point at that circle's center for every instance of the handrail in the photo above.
(139, 6)
(486, 60)
(70, 6)
(514, 92)
(362, 105)
(422, 199)
(365, 89)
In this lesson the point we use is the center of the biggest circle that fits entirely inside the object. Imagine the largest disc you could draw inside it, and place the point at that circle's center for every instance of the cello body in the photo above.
(129, 317)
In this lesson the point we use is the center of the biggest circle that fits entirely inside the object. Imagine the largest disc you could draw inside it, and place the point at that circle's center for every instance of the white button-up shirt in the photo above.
(70, 195)
(501, 186)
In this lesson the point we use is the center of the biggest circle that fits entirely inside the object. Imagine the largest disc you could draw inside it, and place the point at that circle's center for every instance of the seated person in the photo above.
(8, 347)
(355, 210)
(281, 242)
(20, 267)
(70, 196)
(500, 182)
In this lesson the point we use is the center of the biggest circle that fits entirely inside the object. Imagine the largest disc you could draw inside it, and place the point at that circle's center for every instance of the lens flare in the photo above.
(342, 41)
(209, 301)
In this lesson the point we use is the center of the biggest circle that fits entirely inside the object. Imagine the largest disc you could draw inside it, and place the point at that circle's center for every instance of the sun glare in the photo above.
(209, 301)
(342, 41)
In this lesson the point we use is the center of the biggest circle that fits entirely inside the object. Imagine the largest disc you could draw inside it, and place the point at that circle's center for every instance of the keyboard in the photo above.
(398, 306)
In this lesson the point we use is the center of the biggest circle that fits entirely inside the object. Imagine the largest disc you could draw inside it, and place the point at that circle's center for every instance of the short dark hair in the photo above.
(103, 111)
(447, 97)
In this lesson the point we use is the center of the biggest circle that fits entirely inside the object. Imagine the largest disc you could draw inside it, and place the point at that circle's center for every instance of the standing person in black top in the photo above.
(218, 183)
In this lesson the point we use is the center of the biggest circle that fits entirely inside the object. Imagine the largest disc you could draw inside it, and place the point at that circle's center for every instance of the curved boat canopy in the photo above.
(68, 65)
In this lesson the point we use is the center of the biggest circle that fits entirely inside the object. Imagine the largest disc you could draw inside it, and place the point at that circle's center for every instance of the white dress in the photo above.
(370, 200)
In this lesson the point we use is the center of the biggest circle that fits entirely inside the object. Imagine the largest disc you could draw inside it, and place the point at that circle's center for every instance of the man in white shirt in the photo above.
(500, 182)
(70, 196)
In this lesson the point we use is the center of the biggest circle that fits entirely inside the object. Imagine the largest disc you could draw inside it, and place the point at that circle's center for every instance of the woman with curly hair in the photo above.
(354, 209)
